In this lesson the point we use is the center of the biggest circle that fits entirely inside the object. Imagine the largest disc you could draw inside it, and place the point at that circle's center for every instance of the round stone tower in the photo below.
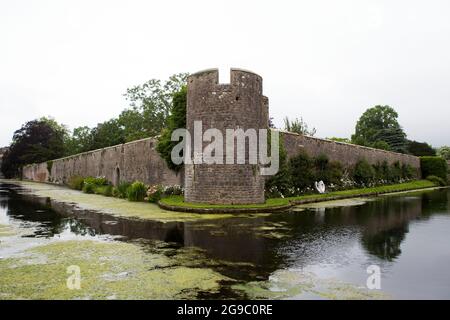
(237, 105)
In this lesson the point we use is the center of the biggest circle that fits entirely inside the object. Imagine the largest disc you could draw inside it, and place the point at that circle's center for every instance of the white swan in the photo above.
(320, 186)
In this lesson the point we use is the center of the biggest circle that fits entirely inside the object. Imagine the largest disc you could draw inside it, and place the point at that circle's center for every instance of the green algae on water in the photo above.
(118, 207)
(109, 270)
(295, 284)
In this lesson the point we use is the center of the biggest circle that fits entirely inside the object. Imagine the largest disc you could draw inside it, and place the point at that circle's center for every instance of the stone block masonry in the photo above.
(347, 154)
(137, 160)
(237, 105)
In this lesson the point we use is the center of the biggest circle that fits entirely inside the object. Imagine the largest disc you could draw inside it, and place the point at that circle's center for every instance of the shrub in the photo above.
(121, 190)
(434, 166)
(364, 173)
(437, 180)
(321, 168)
(155, 193)
(395, 172)
(336, 172)
(174, 190)
(76, 182)
(104, 190)
(301, 171)
(88, 187)
(408, 172)
(99, 181)
(137, 191)
(279, 184)
(90, 184)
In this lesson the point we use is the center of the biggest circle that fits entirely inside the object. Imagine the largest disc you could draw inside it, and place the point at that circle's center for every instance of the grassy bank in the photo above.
(175, 202)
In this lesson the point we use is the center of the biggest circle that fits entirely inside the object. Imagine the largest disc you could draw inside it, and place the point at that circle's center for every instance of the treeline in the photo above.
(40, 140)
(378, 128)
(157, 108)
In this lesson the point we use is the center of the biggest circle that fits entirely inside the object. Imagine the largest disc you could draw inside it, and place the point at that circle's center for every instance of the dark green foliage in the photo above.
(364, 173)
(150, 106)
(335, 173)
(408, 172)
(91, 184)
(301, 169)
(420, 149)
(121, 190)
(88, 188)
(137, 191)
(378, 127)
(104, 190)
(49, 166)
(382, 145)
(37, 141)
(382, 172)
(434, 166)
(176, 120)
(76, 182)
(281, 182)
(396, 172)
(437, 180)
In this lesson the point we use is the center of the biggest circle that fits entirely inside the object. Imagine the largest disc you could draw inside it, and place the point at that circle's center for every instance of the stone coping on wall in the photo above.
(346, 144)
(96, 150)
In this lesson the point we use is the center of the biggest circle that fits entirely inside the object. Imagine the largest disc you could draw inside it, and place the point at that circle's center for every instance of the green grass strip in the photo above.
(178, 201)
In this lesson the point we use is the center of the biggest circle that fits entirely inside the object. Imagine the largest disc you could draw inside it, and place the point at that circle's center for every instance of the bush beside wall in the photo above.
(434, 166)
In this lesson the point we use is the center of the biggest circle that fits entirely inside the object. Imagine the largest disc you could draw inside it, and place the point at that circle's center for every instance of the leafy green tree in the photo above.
(36, 141)
(420, 149)
(106, 134)
(176, 120)
(380, 123)
(80, 141)
(444, 152)
(151, 104)
(298, 126)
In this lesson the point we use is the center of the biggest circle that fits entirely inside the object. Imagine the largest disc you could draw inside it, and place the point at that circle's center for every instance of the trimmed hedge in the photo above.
(434, 166)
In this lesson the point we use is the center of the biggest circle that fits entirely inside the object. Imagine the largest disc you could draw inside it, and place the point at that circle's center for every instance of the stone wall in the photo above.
(347, 154)
(128, 162)
(237, 105)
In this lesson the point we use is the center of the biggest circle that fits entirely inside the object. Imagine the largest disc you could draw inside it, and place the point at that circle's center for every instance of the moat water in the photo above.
(319, 252)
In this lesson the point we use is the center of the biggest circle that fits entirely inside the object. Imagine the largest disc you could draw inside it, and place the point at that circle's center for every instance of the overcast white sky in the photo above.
(327, 61)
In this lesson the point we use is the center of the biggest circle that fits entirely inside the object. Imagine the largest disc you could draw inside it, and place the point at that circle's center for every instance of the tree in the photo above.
(80, 141)
(298, 126)
(380, 124)
(36, 141)
(420, 149)
(151, 104)
(176, 120)
(107, 134)
(444, 152)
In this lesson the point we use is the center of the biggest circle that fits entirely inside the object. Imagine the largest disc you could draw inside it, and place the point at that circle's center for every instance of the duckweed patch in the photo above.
(115, 206)
(108, 270)
(294, 284)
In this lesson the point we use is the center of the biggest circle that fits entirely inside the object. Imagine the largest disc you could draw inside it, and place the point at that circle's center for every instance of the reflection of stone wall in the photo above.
(347, 154)
(132, 161)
